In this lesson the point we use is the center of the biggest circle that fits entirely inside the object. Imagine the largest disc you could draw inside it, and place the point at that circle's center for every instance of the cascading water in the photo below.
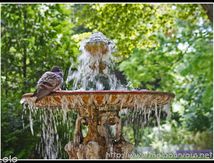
(95, 70)
(50, 120)
(94, 73)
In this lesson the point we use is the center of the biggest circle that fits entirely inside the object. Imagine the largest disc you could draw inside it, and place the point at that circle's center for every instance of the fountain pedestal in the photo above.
(98, 143)
(99, 110)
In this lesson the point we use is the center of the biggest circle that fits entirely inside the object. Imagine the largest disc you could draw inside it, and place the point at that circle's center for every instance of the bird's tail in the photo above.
(34, 93)
(40, 94)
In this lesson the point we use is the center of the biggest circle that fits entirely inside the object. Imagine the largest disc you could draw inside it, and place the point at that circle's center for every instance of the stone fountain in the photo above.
(98, 98)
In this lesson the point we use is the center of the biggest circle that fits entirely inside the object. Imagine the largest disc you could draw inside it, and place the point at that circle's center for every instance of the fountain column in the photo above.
(98, 143)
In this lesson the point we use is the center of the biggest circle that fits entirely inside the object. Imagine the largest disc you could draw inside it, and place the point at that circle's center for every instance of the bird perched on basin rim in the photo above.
(49, 82)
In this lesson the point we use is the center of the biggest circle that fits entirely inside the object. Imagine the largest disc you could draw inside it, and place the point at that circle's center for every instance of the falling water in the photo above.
(50, 146)
(94, 72)
(95, 68)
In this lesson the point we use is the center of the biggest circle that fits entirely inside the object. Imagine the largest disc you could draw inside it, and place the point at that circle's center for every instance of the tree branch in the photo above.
(209, 10)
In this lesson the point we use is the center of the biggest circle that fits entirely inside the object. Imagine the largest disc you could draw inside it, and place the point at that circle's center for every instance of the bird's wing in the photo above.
(49, 81)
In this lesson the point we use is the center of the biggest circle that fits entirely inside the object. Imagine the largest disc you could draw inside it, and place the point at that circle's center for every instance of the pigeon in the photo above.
(49, 82)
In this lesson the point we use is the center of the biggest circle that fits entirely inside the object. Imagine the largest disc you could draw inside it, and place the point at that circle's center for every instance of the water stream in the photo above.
(95, 71)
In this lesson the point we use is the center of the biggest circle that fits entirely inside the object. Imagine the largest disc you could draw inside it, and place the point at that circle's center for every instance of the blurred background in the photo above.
(162, 47)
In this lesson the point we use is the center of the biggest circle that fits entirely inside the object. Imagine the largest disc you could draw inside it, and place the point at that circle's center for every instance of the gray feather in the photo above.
(49, 82)
(42, 93)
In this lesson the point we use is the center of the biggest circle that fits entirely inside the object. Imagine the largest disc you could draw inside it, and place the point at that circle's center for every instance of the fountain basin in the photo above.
(97, 109)
(101, 98)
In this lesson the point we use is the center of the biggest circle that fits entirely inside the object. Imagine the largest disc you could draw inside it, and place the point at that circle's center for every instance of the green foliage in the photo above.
(164, 47)
(148, 69)
(170, 137)
(181, 63)
(128, 24)
(34, 38)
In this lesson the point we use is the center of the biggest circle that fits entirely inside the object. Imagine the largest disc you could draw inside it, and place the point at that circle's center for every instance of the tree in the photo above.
(34, 38)
(209, 11)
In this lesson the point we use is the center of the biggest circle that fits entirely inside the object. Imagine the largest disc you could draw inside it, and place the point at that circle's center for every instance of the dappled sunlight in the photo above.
(159, 48)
